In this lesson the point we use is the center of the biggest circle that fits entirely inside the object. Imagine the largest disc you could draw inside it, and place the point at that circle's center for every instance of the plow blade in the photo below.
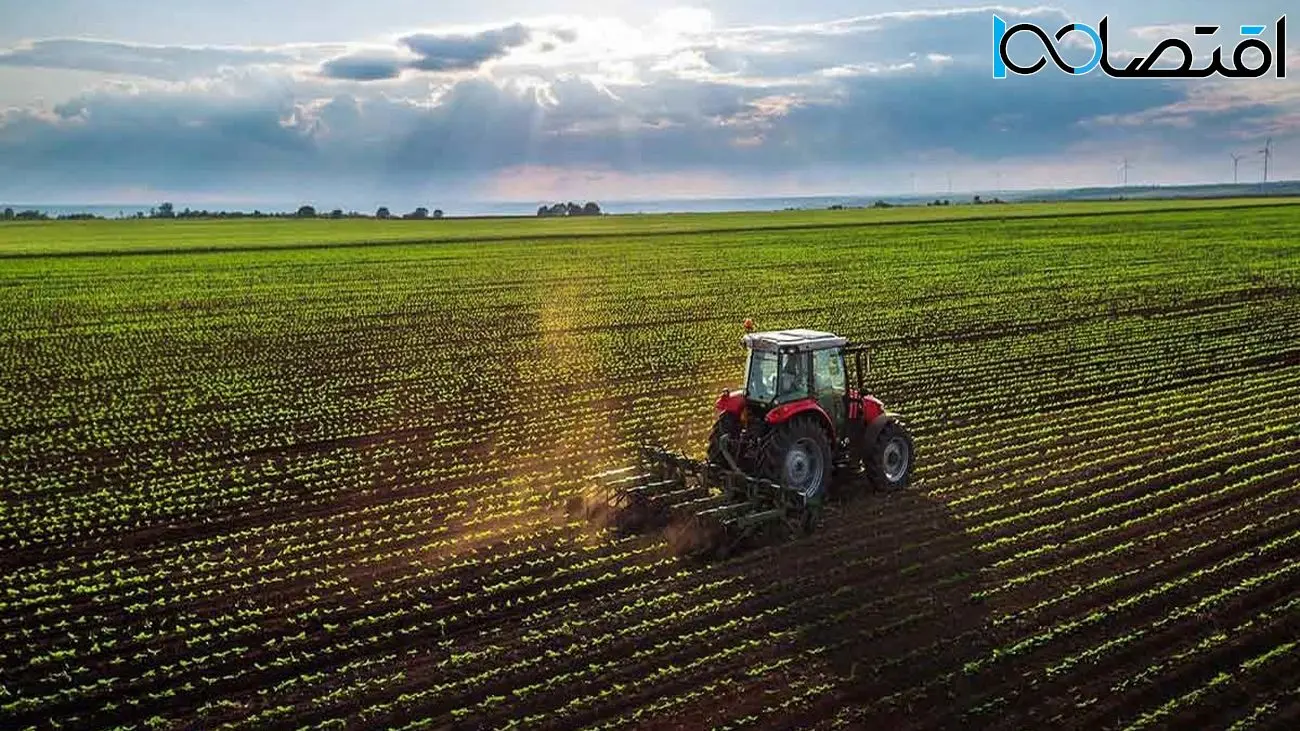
(704, 508)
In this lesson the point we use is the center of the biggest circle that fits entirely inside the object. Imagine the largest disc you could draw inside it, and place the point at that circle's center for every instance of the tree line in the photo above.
(591, 208)
(168, 210)
(9, 214)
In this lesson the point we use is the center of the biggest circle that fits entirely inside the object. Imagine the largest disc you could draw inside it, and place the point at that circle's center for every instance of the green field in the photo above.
(318, 474)
(134, 236)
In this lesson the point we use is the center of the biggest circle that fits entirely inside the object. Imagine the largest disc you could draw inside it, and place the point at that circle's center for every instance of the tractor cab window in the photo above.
(828, 369)
(760, 376)
(777, 378)
(794, 380)
(831, 384)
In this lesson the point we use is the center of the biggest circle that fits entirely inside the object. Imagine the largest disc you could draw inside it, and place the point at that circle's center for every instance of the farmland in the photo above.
(310, 474)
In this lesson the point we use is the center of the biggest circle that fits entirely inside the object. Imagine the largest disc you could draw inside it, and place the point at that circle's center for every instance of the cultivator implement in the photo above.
(705, 508)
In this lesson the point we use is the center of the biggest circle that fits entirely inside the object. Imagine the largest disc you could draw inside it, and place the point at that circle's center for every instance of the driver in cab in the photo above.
(794, 378)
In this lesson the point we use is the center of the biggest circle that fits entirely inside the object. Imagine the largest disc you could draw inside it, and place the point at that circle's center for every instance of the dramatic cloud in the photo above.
(460, 52)
(434, 52)
(860, 103)
(363, 67)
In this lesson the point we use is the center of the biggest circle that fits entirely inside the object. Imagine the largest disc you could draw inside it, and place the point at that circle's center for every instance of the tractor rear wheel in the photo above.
(890, 458)
(797, 454)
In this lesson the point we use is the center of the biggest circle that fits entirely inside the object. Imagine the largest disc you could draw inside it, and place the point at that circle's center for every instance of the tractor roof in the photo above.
(798, 339)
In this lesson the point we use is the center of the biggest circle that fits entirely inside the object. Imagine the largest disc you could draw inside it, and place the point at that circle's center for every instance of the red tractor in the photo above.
(798, 419)
(798, 427)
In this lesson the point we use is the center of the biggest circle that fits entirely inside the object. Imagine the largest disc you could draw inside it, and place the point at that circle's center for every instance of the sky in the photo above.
(397, 102)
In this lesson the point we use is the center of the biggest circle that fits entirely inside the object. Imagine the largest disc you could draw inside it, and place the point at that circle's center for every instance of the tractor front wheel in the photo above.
(890, 458)
(797, 454)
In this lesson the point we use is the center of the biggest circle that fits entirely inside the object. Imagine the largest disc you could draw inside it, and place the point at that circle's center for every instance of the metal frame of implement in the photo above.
(724, 505)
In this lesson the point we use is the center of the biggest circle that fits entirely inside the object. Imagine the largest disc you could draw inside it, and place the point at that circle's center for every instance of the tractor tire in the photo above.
(890, 458)
(727, 424)
(798, 454)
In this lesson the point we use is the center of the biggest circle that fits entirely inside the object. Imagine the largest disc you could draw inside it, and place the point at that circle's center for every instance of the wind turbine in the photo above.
(1235, 159)
(1267, 152)
(1123, 169)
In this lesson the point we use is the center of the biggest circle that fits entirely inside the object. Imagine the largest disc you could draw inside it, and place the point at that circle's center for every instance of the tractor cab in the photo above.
(791, 366)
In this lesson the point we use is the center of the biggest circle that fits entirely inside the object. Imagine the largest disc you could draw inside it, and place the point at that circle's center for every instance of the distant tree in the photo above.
(418, 214)
(591, 209)
(543, 211)
(306, 212)
(574, 209)
(382, 213)
(559, 209)
(437, 213)
(977, 200)
(165, 210)
(8, 214)
(336, 213)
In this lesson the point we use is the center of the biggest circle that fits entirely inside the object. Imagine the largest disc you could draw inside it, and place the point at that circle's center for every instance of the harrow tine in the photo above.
(698, 505)
(651, 488)
(754, 519)
(725, 512)
(627, 479)
(617, 471)
(689, 494)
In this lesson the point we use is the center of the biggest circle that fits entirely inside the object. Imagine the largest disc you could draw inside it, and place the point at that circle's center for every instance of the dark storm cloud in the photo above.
(431, 52)
(360, 67)
(460, 52)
